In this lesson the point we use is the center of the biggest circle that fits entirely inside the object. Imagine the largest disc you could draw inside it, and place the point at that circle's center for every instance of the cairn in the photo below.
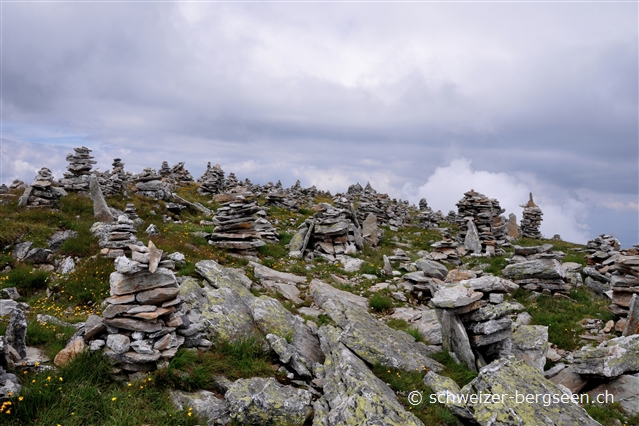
(43, 191)
(17, 184)
(115, 238)
(150, 184)
(331, 232)
(144, 319)
(281, 199)
(473, 316)
(212, 181)
(79, 170)
(176, 175)
(113, 183)
(485, 214)
(531, 220)
(231, 182)
(623, 273)
(235, 227)
(426, 217)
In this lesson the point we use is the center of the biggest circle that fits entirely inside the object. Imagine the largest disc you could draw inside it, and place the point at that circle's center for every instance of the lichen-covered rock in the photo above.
(16, 333)
(374, 341)
(455, 296)
(352, 393)
(489, 283)
(530, 344)
(610, 359)
(491, 311)
(263, 401)
(10, 386)
(322, 292)
(204, 403)
(513, 380)
(541, 268)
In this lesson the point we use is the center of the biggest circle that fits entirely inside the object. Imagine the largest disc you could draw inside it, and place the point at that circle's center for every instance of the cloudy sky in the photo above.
(424, 99)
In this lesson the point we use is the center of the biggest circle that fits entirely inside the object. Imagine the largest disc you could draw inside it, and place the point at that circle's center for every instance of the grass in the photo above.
(26, 279)
(458, 372)
(380, 303)
(400, 324)
(403, 383)
(606, 414)
(191, 370)
(82, 393)
(51, 338)
(562, 316)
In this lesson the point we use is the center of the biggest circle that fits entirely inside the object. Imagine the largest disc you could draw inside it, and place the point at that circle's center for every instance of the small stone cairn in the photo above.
(115, 238)
(623, 271)
(212, 181)
(602, 252)
(531, 220)
(485, 213)
(474, 319)
(43, 191)
(113, 182)
(426, 217)
(150, 184)
(331, 232)
(79, 170)
(235, 227)
(17, 184)
(231, 182)
(538, 268)
(176, 175)
(144, 320)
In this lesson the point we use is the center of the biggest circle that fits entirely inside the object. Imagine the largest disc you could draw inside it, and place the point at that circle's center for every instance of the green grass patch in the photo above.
(26, 279)
(50, 337)
(400, 324)
(458, 372)
(380, 303)
(607, 414)
(88, 284)
(562, 316)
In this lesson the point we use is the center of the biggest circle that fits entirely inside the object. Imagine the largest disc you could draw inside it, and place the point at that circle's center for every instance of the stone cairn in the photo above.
(231, 182)
(115, 238)
(331, 232)
(447, 249)
(79, 170)
(474, 319)
(426, 217)
(531, 220)
(281, 199)
(212, 181)
(624, 280)
(17, 184)
(144, 321)
(235, 227)
(485, 214)
(451, 217)
(538, 269)
(388, 211)
(150, 184)
(602, 252)
(113, 182)
(176, 175)
(43, 191)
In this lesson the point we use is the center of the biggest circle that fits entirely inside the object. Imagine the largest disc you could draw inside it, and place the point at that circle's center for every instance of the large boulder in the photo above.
(321, 292)
(263, 401)
(547, 269)
(610, 359)
(432, 269)
(204, 403)
(530, 344)
(352, 393)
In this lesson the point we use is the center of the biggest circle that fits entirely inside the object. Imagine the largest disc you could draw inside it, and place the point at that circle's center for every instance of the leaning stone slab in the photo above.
(323, 292)
(530, 344)
(511, 377)
(432, 269)
(264, 273)
(610, 359)
(262, 401)
(374, 341)
(204, 403)
(353, 395)
(455, 339)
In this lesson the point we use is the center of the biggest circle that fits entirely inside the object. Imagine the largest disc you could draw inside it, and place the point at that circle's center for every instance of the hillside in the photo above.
(161, 300)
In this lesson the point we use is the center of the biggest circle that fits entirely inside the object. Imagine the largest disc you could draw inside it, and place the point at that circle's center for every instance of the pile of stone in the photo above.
(115, 238)
(113, 182)
(231, 182)
(451, 217)
(624, 283)
(235, 227)
(426, 217)
(388, 211)
(17, 184)
(79, 170)
(43, 191)
(178, 175)
(485, 213)
(212, 181)
(282, 199)
(144, 320)
(355, 189)
(474, 319)
(447, 249)
(331, 232)
(538, 269)
(601, 248)
(531, 220)
(150, 184)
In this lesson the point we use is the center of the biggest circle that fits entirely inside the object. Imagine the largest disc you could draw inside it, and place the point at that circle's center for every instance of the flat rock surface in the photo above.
(322, 292)
(455, 296)
(610, 359)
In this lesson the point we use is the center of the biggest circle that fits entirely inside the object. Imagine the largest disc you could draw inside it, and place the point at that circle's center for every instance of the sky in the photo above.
(422, 99)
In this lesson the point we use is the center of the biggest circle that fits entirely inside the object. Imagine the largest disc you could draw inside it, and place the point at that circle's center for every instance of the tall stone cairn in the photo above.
(212, 181)
(486, 214)
(176, 175)
(231, 182)
(42, 192)
(114, 181)
(426, 217)
(235, 227)
(531, 220)
(79, 170)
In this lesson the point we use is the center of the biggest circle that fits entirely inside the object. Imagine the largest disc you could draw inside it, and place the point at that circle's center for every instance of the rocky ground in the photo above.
(168, 304)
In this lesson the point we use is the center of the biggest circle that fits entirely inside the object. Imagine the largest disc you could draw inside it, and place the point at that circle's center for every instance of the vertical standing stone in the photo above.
(17, 332)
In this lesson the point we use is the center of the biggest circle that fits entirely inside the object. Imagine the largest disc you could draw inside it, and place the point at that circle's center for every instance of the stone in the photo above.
(370, 231)
(624, 390)
(322, 292)
(632, 321)
(7, 306)
(66, 266)
(611, 358)
(491, 311)
(11, 293)
(456, 275)
(387, 269)
(10, 386)
(118, 343)
(540, 268)
(350, 264)
(145, 280)
(264, 273)
(264, 401)
(124, 265)
(530, 344)
(17, 332)
(432, 269)
(155, 255)
(531, 220)
(472, 242)
(58, 238)
(490, 283)
(205, 404)
(352, 394)
(100, 209)
(454, 296)
(512, 230)
(94, 326)
(72, 349)
(133, 325)
(455, 339)
(157, 296)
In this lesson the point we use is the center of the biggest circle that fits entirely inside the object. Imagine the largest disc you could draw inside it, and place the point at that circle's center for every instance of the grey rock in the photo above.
(118, 343)
(16, 333)
(455, 339)
(124, 265)
(10, 386)
(597, 286)
(263, 401)
(632, 322)
(100, 208)
(7, 306)
(37, 255)
(530, 344)
(21, 249)
(152, 231)
(540, 268)
(353, 395)
(11, 293)
(94, 326)
(472, 243)
(387, 269)
(125, 284)
(370, 231)
(322, 292)
(490, 283)
(611, 358)
(493, 311)
(455, 296)
(204, 403)
(264, 273)
(571, 380)
(625, 391)
(57, 239)
(432, 269)
(155, 255)
(66, 266)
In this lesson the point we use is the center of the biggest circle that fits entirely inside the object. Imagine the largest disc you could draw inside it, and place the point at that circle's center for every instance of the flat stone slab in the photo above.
(541, 268)
(323, 292)
(122, 284)
(264, 273)
(610, 359)
(455, 296)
